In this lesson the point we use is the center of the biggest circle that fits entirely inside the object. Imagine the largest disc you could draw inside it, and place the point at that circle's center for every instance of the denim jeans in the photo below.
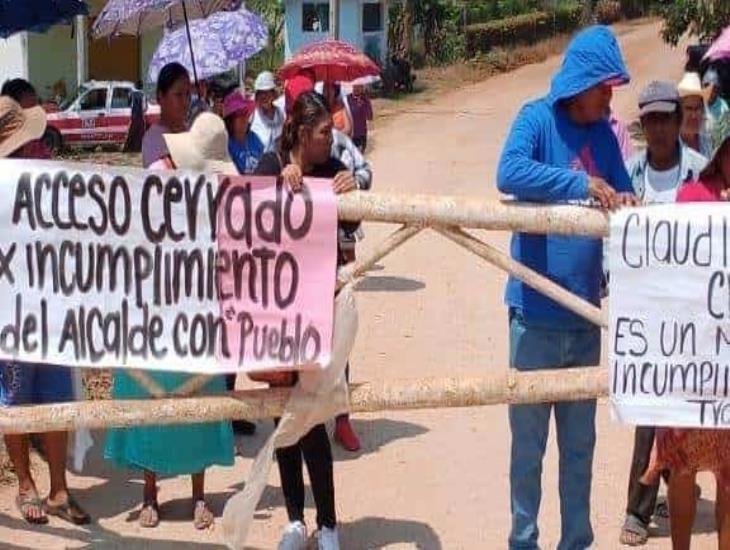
(533, 348)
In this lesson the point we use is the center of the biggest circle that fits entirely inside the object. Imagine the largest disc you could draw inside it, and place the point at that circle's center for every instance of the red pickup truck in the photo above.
(100, 115)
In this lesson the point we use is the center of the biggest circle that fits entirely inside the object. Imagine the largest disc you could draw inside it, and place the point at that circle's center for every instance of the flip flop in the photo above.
(203, 518)
(149, 517)
(24, 504)
(634, 532)
(69, 511)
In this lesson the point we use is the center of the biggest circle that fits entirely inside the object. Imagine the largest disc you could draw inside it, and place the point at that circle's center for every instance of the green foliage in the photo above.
(483, 11)
(703, 19)
(440, 22)
(271, 57)
(607, 11)
(567, 17)
(509, 31)
(637, 8)
(522, 29)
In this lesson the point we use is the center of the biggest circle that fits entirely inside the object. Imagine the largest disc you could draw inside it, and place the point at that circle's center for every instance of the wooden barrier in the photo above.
(431, 393)
(432, 210)
(444, 214)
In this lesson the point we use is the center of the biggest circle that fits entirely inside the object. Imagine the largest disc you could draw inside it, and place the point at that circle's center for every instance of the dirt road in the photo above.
(430, 479)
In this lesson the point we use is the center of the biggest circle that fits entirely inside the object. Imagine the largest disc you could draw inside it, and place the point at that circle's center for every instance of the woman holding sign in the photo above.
(191, 448)
(685, 452)
(306, 144)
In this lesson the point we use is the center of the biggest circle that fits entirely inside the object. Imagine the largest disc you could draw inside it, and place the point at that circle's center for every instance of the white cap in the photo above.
(265, 82)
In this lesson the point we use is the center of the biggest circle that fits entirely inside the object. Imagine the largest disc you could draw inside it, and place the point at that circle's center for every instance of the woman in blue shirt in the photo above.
(246, 149)
(244, 145)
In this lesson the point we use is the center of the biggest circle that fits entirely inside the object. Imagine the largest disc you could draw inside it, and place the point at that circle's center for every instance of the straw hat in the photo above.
(203, 148)
(691, 86)
(19, 126)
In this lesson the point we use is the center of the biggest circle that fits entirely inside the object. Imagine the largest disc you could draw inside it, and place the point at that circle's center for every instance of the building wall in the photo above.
(350, 22)
(350, 27)
(147, 46)
(379, 39)
(52, 57)
(13, 57)
(294, 37)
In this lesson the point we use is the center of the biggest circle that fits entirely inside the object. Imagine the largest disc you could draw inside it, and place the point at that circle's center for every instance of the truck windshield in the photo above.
(66, 103)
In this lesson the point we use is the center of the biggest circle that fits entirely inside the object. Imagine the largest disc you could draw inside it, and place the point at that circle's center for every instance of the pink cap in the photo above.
(236, 104)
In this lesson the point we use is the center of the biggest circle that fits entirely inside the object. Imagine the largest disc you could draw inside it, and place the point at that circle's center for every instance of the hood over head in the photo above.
(592, 57)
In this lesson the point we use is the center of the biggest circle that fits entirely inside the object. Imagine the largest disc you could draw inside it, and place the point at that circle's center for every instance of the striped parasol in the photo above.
(330, 61)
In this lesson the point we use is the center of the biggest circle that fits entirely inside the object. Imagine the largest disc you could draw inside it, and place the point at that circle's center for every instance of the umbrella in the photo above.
(220, 42)
(37, 15)
(136, 16)
(330, 61)
(720, 48)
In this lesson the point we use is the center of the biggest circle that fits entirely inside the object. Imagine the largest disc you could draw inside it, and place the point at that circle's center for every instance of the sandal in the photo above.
(149, 516)
(634, 532)
(203, 518)
(69, 511)
(26, 503)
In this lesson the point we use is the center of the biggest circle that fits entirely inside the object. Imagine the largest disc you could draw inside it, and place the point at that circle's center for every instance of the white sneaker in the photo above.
(328, 539)
(294, 537)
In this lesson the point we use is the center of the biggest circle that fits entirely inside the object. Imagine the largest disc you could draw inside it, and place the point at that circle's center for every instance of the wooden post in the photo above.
(335, 19)
(82, 51)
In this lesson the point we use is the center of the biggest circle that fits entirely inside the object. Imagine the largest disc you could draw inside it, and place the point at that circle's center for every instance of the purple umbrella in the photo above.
(136, 16)
(220, 42)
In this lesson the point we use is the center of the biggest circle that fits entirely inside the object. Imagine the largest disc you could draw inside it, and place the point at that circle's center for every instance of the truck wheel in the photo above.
(53, 140)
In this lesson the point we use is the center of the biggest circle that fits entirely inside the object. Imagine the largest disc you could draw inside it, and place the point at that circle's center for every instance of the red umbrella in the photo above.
(330, 61)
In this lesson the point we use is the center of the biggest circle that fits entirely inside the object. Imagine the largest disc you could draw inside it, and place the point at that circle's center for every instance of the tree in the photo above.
(704, 19)
(439, 25)
(272, 12)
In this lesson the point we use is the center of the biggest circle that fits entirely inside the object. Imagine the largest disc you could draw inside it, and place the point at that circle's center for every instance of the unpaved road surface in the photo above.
(428, 479)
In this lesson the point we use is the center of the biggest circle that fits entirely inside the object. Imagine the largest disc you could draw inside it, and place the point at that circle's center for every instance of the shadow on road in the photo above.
(97, 537)
(389, 284)
(382, 532)
(376, 434)
(704, 521)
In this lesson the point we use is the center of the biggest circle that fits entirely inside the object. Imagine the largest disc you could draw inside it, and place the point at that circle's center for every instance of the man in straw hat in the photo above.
(561, 148)
(694, 99)
(29, 383)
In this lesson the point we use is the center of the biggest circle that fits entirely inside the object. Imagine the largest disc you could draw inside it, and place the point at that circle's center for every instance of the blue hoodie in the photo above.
(547, 158)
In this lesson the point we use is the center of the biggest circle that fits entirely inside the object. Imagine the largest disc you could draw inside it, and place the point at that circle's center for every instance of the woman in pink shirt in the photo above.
(714, 181)
(685, 452)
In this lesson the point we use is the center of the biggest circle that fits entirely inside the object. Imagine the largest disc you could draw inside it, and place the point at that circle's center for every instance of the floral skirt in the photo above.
(688, 451)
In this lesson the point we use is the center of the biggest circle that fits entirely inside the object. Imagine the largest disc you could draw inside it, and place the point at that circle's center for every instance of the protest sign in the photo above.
(166, 271)
(669, 340)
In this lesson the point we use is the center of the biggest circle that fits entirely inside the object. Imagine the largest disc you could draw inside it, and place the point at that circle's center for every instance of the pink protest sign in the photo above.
(277, 291)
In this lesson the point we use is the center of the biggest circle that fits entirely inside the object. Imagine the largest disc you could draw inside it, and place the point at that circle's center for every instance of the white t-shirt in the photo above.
(661, 186)
(268, 130)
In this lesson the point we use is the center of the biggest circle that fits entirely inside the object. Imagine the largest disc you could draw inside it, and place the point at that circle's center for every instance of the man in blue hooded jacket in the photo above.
(560, 149)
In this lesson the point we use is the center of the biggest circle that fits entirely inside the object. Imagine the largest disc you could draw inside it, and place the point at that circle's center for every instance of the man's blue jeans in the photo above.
(533, 348)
